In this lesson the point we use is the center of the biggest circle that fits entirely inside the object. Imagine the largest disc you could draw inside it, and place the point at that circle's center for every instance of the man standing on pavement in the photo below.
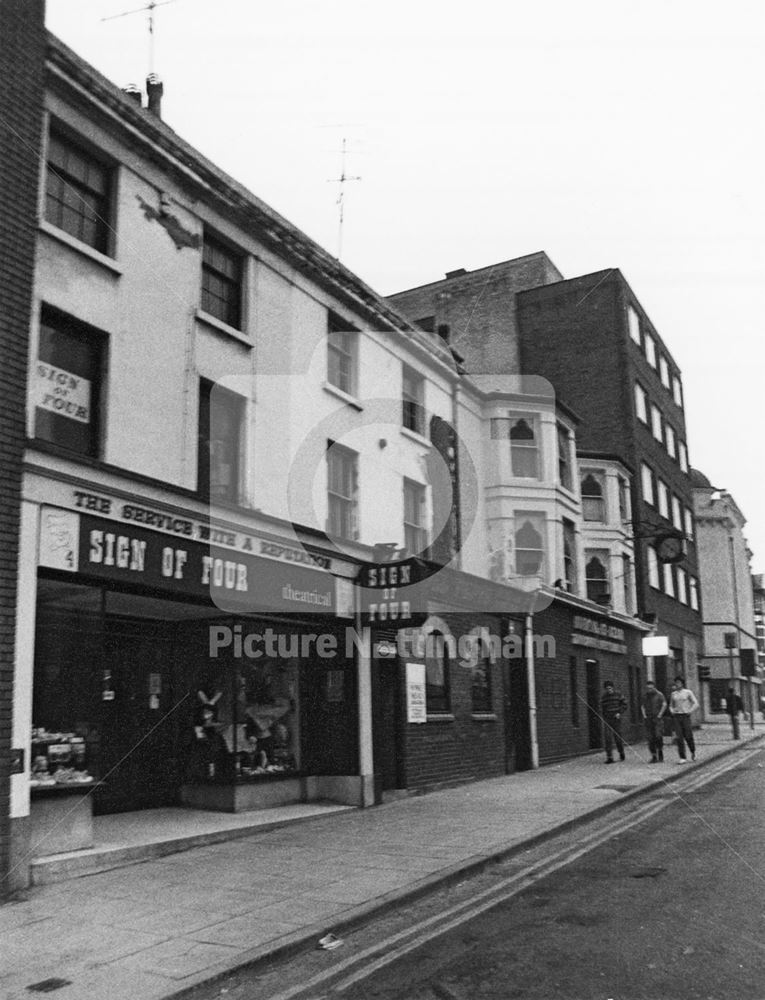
(733, 705)
(653, 707)
(682, 702)
(612, 704)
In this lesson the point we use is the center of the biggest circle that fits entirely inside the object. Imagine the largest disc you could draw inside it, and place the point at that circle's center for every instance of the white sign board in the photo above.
(59, 391)
(59, 539)
(416, 710)
(656, 645)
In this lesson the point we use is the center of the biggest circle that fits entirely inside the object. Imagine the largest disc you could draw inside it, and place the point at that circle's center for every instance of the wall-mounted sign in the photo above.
(416, 708)
(61, 392)
(656, 645)
(59, 539)
(594, 627)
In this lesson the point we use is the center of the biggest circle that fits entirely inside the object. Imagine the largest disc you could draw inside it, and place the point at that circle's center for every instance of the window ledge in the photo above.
(484, 716)
(344, 396)
(414, 436)
(440, 717)
(83, 248)
(221, 327)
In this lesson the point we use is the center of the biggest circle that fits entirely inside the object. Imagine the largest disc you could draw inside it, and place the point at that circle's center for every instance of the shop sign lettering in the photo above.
(602, 629)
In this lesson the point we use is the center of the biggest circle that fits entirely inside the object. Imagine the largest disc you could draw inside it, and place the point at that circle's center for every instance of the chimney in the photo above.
(456, 273)
(154, 91)
(133, 92)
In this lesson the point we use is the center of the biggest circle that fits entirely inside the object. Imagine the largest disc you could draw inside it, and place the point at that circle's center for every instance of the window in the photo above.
(67, 384)
(683, 453)
(569, 556)
(524, 448)
(624, 500)
(641, 403)
(694, 592)
(688, 523)
(677, 391)
(413, 400)
(342, 491)
(593, 502)
(436, 674)
(573, 686)
(664, 372)
(671, 441)
(77, 193)
(677, 517)
(646, 481)
(596, 574)
(221, 282)
(682, 585)
(627, 583)
(633, 321)
(415, 535)
(564, 457)
(650, 350)
(669, 579)
(529, 545)
(220, 441)
(480, 681)
(653, 567)
(656, 424)
(662, 492)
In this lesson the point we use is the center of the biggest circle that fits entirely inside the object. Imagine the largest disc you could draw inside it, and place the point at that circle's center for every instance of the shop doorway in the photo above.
(329, 719)
(593, 705)
(517, 731)
(386, 725)
(139, 732)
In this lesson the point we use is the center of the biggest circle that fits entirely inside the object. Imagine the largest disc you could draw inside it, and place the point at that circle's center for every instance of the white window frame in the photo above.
(682, 451)
(657, 423)
(669, 580)
(537, 522)
(693, 593)
(688, 523)
(671, 440)
(641, 403)
(415, 413)
(633, 322)
(587, 498)
(677, 515)
(523, 449)
(650, 350)
(666, 379)
(347, 502)
(682, 585)
(416, 531)
(646, 484)
(342, 343)
(677, 391)
(662, 497)
(654, 576)
(602, 557)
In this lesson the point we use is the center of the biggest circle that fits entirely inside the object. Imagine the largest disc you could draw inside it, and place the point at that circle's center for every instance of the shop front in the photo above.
(173, 671)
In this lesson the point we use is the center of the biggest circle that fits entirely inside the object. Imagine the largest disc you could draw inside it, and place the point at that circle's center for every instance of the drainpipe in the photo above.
(531, 685)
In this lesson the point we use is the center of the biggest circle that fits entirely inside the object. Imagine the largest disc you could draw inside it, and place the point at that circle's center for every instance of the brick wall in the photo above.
(463, 747)
(22, 43)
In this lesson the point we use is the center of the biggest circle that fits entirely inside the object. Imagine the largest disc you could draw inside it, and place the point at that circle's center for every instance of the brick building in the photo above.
(22, 45)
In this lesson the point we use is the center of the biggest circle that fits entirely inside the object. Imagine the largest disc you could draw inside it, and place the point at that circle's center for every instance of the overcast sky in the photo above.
(609, 134)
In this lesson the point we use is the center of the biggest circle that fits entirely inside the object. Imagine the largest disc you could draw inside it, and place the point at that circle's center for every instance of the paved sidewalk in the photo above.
(150, 930)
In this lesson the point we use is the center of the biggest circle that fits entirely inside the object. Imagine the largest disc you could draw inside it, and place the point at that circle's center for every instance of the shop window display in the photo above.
(246, 724)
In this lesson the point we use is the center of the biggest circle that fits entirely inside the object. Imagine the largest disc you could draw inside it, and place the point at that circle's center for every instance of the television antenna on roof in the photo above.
(149, 8)
(342, 180)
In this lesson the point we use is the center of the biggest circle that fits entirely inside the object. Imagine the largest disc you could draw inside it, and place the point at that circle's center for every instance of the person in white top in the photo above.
(682, 702)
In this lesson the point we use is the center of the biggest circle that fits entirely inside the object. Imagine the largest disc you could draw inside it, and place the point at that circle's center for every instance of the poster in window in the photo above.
(59, 391)
(59, 539)
(416, 710)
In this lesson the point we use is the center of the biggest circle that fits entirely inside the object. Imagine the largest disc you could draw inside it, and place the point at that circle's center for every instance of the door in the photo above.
(388, 766)
(139, 749)
(593, 705)
(517, 730)
(328, 720)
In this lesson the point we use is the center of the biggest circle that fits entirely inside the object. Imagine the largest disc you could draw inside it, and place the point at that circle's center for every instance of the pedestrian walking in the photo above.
(682, 702)
(733, 706)
(612, 704)
(653, 708)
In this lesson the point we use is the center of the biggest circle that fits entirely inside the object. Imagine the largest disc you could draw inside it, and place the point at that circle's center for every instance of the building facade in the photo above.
(730, 636)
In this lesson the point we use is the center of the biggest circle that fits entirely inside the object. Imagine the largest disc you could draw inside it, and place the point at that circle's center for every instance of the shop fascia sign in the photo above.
(237, 582)
(146, 516)
(596, 634)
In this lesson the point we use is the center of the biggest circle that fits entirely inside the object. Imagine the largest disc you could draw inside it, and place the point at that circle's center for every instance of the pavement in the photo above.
(156, 928)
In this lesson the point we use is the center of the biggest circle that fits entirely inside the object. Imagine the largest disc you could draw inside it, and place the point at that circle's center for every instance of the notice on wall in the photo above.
(59, 391)
(416, 710)
(656, 645)
(59, 539)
